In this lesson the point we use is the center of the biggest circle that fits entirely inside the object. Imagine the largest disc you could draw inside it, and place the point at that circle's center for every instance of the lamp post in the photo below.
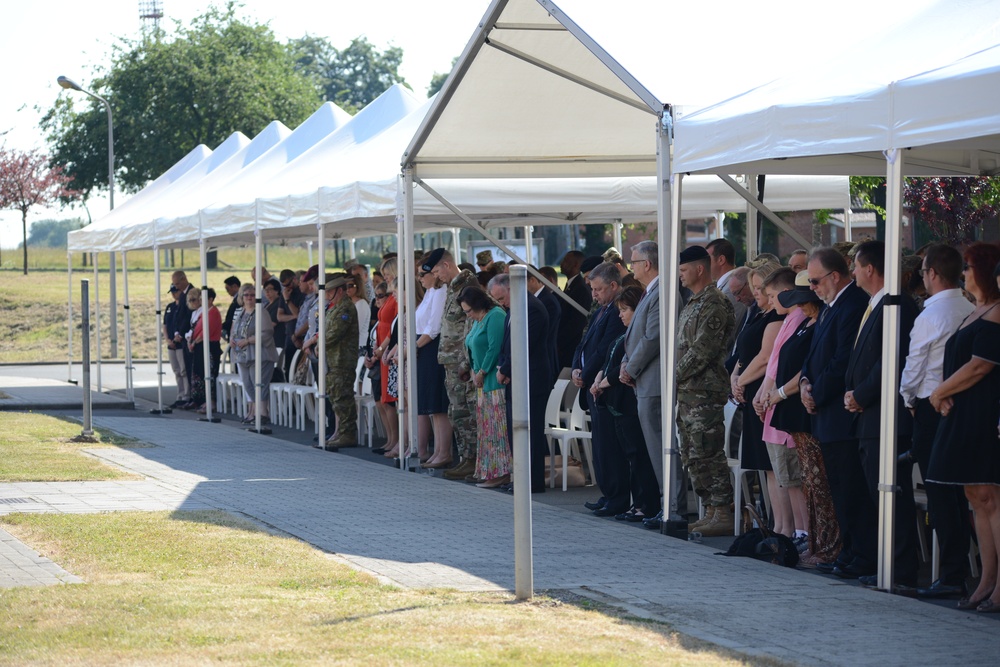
(69, 84)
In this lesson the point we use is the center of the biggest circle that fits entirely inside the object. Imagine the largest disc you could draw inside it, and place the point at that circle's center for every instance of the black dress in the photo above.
(966, 449)
(753, 454)
(790, 416)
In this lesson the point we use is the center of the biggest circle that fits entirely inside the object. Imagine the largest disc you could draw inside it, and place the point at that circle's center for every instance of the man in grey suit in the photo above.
(641, 363)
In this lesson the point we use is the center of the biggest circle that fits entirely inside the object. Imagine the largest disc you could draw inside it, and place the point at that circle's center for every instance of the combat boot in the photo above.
(466, 467)
(703, 521)
(721, 523)
(344, 440)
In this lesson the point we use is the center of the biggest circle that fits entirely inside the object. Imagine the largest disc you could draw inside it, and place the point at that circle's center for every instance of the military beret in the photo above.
(484, 257)
(693, 254)
(312, 273)
(590, 263)
(433, 259)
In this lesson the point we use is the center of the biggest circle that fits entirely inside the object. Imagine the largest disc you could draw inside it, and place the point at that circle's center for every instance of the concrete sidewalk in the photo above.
(420, 531)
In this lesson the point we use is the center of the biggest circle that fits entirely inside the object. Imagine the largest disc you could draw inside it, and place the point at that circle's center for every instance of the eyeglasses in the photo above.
(380, 296)
(923, 271)
(633, 262)
(816, 281)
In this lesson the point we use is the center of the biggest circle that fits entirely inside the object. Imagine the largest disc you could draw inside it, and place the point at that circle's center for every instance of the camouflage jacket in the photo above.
(454, 323)
(704, 326)
(342, 337)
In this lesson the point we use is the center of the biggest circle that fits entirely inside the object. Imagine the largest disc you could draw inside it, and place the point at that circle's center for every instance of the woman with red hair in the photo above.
(966, 449)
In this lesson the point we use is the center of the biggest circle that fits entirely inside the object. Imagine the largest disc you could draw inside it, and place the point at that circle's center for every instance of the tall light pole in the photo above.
(69, 84)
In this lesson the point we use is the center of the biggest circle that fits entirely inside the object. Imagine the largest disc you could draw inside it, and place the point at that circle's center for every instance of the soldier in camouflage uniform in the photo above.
(341, 361)
(452, 356)
(705, 324)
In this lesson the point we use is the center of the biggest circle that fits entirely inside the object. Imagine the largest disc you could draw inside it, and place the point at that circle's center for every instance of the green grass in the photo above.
(39, 448)
(202, 587)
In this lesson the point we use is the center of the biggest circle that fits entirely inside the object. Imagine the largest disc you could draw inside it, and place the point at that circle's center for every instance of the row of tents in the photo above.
(539, 123)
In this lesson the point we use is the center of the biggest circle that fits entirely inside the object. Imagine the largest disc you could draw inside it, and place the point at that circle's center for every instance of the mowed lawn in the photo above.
(191, 588)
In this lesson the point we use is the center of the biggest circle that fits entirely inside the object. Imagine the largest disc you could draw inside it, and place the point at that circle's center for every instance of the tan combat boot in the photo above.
(721, 523)
(703, 521)
(466, 467)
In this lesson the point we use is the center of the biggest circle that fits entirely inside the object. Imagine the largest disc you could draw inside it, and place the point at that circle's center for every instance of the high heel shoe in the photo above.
(436, 464)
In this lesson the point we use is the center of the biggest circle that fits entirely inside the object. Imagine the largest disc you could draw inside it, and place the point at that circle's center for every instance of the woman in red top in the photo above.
(387, 312)
(196, 345)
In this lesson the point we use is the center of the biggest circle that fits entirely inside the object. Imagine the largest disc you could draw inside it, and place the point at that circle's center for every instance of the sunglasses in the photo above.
(816, 281)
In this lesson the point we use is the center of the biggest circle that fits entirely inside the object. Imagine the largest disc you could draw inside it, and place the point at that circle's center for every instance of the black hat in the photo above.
(801, 294)
(433, 259)
(693, 254)
(591, 263)
(173, 289)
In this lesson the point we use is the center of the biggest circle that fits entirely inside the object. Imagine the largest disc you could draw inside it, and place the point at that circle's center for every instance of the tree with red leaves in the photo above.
(26, 180)
(954, 208)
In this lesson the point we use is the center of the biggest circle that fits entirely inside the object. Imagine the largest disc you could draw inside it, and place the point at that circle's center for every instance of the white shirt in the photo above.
(942, 315)
(364, 319)
(430, 311)
(652, 284)
(723, 280)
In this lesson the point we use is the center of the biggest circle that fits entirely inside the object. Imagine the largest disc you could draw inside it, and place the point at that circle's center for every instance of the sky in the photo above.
(41, 40)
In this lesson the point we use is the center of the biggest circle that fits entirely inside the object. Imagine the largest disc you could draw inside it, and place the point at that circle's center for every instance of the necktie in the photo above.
(864, 318)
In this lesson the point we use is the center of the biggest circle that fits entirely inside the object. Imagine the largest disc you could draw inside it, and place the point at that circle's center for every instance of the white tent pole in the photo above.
(456, 242)
(669, 232)
(69, 316)
(720, 225)
(753, 238)
(528, 255)
(848, 221)
(159, 329)
(205, 327)
(521, 417)
(321, 342)
(259, 313)
(97, 318)
(309, 246)
(618, 236)
(354, 247)
(408, 323)
(129, 387)
(890, 367)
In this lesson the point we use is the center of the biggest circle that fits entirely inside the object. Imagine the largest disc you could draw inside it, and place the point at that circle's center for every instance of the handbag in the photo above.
(574, 471)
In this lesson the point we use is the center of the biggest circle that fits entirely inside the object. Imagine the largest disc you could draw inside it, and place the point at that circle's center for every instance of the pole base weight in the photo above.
(675, 528)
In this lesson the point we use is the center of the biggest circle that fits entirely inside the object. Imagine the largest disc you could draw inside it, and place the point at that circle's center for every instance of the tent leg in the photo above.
(159, 335)
(69, 317)
(407, 353)
(97, 320)
(206, 332)
(129, 387)
(890, 369)
(321, 332)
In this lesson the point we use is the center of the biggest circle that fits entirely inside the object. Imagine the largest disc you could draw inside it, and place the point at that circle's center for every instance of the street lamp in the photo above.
(69, 84)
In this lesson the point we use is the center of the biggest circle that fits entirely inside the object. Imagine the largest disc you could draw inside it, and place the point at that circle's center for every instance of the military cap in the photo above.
(337, 280)
(312, 273)
(590, 263)
(433, 259)
(173, 289)
(351, 263)
(484, 257)
(693, 254)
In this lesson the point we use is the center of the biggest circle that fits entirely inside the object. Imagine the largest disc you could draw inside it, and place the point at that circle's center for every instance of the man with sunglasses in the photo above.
(822, 391)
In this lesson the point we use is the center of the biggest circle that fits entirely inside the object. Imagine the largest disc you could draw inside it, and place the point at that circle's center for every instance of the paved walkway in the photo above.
(420, 531)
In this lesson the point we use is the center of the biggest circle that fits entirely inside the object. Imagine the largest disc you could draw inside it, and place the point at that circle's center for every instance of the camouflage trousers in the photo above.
(340, 394)
(461, 410)
(702, 431)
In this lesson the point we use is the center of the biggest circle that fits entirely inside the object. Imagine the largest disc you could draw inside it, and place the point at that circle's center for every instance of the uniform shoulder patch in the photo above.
(714, 323)
(345, 317)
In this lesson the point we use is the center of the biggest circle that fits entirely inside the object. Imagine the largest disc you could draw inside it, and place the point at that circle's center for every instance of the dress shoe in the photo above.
(466, 467)
(494, 483)
(653, 523)
(853, 570)
(988, 606)
(607, 511)
(939, 589)
(377, 450)
(829, 567)
(601, 502)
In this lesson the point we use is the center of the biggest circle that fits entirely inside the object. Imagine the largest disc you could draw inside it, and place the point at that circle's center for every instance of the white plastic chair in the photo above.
(229, 387)
(365, 403)
(571, 438)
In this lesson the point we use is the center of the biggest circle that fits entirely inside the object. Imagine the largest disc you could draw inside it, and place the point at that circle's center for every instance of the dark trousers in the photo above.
(857, 516)
(642, 480)
(905, 543)
(610, 462)
(946, 503)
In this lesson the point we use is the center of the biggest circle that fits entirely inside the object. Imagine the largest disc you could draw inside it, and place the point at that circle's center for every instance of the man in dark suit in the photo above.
(539, 379)
(864, 400)
(822, 392)
(554, 309)
(572, 321)
(610, 463)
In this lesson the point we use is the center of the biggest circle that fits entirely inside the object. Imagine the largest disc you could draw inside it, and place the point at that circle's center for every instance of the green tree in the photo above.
(438, 79)
(351, 77)
(169, 93)
(52, 233)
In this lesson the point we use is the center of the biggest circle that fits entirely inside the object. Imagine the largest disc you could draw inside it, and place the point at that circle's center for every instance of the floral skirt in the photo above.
(493, 458)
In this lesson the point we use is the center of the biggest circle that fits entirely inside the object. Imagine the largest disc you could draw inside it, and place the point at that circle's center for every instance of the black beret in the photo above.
(433, 259)
(693, 254)
(590, 263)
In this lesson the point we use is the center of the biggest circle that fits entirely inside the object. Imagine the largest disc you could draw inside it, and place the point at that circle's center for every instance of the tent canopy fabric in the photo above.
(929, 86)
